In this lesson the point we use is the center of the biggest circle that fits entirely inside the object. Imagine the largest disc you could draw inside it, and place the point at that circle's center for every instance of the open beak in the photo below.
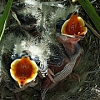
(23, 70)
(74, 27)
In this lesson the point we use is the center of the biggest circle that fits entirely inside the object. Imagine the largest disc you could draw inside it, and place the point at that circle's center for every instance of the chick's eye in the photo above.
(37, 61)
(15, 56)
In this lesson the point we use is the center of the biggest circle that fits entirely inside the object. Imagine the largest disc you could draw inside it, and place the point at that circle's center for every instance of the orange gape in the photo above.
(23, 70)
(74, 26)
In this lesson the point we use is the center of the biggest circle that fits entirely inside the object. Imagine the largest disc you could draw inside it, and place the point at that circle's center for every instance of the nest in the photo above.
(88, 69)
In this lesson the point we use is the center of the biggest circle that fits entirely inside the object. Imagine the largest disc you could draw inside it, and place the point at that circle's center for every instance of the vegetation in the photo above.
(3, 19)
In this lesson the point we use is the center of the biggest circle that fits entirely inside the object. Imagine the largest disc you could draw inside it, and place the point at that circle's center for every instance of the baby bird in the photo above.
(48, 56)
(72, 31)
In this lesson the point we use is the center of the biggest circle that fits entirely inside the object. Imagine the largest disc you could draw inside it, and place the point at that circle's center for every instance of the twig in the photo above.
(93, 30)
(16, 18)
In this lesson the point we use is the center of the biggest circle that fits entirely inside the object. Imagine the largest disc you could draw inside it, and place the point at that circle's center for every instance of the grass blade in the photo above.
(3, 19)
(89, 9)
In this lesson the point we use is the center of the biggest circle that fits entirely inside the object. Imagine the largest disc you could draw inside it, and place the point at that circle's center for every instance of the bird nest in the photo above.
(85, 84)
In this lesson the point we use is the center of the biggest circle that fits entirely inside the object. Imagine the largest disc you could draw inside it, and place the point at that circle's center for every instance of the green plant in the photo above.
(3, 19)
(89, 9)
